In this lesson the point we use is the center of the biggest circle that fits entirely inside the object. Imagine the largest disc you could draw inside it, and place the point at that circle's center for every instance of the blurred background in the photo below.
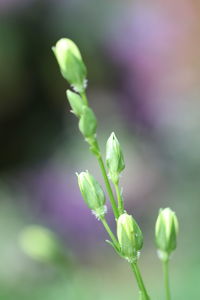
(143, 62)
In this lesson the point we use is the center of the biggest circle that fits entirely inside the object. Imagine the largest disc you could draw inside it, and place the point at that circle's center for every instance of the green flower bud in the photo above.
(88, 122)
(76, 103)
(114, 158)
(166, 231)
(130, 237)
(71, 64)
(92, 194)
(41, 244)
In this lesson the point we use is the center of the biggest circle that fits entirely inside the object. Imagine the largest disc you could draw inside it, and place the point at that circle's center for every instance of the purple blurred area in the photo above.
(144, 84)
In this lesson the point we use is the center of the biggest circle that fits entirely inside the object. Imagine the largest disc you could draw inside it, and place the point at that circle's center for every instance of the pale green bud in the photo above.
(114, 158)
(71, 64)
(92, 194)
(76, 103)
(130, 237)
(166, 231)
(88, 122)
(40, 244)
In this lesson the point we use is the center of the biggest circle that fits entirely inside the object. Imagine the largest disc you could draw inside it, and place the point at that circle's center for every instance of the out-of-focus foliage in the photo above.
(41, 244)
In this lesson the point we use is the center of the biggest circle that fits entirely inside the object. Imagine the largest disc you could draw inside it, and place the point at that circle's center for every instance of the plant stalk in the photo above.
(140, 282)
(103, 170)
(108, 187)
(119, 199)
(84, 97)
(166, 279)
(110, 233)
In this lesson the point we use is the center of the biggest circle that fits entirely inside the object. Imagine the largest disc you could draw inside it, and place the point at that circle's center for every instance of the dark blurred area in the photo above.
(143, 83)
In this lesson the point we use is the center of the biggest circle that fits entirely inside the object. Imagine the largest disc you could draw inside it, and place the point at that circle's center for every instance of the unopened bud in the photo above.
(76, 103)
(71, 64)
(92, 193)
(166, 231)
(129, 236)
(114, 158)
(88, 122)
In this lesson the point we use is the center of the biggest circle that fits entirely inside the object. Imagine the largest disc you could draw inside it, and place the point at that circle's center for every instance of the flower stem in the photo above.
(166, 279)
(84, 97)
(110, 233)
(108, 187)
(96, 152)
(140, 282)
(119, 199)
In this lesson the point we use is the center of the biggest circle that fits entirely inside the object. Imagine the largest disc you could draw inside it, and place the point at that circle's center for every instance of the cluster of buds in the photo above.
(166, 231)
(130, 238)
(74, 71)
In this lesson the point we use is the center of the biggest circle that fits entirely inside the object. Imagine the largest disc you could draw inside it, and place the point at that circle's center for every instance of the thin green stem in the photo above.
(166, 279)
(110, 233)
(119, 199)
(108, 187)
(140, 282)
(84, 97)
(102, 167)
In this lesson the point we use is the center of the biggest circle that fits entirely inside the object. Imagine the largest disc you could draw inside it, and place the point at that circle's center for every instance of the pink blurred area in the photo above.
(157, 46)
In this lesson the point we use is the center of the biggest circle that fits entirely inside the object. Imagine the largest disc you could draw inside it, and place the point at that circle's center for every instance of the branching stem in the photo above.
(103, 170)
(110, 233)
(108, 187)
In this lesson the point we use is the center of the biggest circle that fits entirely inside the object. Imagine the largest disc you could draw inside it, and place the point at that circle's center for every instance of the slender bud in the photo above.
(71, 64)
(88, 122)
(114, 158)
(130, 237)
(41, 244)
(92, 194)
(166, 231)
(76, 103)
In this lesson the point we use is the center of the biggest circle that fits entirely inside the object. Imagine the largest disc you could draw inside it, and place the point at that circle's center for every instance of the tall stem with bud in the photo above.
(129, 240)
(74, 71)
(166, 279)
(166, 231)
